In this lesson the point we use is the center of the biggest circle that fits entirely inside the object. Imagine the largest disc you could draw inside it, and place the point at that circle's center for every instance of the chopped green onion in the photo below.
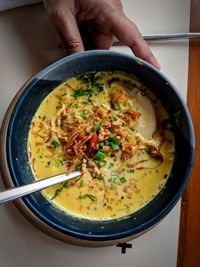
(114, 174)
(115, 147)
(59, 190)
(105, 118)
(63, 94)
(114, 180)
(84, 114)
(90, 196)
(101, 144)
(48, 164)
(127, 139)
(55, 143)
(106, 142)
(88, 92)
(117, 106)
(122, 180)
(88, 77)
(103, 151)
(114, 139)
(58, 163)
(131, 171)
(102, 163)
(111, 165)
(78, 167)
(100, 155)
(114, 142)
(126, 206)
(82, 92)
(100, 177)
(74, 105)
(114, 118)
(87, 132)
(96, 127)
(82, 183)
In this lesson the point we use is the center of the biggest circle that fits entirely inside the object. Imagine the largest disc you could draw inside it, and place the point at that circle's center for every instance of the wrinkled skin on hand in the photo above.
(93, 24)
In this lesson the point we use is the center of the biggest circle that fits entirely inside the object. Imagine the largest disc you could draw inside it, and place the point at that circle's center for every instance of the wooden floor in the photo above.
(189, 237)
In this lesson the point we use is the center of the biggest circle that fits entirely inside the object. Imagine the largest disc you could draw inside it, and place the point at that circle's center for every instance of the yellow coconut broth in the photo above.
(113, 129)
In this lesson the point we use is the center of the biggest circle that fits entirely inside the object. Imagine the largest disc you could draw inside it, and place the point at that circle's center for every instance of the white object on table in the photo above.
(28, 43)
(8, 4)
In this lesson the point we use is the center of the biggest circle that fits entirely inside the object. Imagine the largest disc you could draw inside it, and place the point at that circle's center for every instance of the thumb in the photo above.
(66, 25)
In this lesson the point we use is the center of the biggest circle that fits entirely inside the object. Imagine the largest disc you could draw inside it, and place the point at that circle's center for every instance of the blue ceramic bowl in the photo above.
(14, 159)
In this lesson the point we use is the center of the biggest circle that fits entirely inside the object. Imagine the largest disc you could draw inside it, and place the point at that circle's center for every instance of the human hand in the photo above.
(92, 24)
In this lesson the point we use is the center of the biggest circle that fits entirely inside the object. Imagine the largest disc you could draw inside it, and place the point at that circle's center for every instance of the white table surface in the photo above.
(27, 44)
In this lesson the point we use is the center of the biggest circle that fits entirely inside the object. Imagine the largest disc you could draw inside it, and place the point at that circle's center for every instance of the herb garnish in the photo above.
(100, 155)
(94, 86)
(117, 106)
(122, 180)
(114, 142)
(84, 114)
(96, 127)
(59, 190)
(82, 183)
(114, 118)
(58, 163)
(55, 143)
(100, 177)
(111, 165)
(90, 196)
(48, 164)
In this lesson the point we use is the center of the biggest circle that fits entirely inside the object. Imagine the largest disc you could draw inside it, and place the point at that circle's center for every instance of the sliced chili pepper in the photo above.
(92, 146)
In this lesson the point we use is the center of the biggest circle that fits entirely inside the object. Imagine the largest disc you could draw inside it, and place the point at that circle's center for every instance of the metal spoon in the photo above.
(165, 36)
(17, 192)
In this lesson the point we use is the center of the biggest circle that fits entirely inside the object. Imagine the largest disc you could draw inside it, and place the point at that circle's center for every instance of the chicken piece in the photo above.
(130, 116)
(153, 151)
(93, 169)
(119, 96)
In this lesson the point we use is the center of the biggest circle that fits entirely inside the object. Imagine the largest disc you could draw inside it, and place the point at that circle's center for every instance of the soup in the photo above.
(113, 129)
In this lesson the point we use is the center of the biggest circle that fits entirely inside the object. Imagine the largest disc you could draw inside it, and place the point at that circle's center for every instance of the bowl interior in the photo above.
(41, 85)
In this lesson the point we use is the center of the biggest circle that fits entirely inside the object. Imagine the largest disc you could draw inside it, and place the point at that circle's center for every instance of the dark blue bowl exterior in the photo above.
(41, 85)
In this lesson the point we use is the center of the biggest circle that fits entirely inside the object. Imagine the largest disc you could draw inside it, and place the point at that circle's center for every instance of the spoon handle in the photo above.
(172, 36)
(17, 192)
(166, 36)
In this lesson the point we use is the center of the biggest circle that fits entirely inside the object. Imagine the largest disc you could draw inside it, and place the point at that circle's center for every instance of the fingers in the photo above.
(102, 41)
(67, 28)
(94, 38)
(127, 32)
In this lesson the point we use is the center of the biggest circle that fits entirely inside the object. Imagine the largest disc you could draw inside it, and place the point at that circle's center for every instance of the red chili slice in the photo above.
(92, 146)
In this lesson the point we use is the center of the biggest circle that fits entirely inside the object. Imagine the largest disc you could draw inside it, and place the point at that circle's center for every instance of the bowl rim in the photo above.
(86, 239)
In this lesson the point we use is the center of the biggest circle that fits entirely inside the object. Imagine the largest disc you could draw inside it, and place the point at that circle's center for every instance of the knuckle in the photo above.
(71, 45)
